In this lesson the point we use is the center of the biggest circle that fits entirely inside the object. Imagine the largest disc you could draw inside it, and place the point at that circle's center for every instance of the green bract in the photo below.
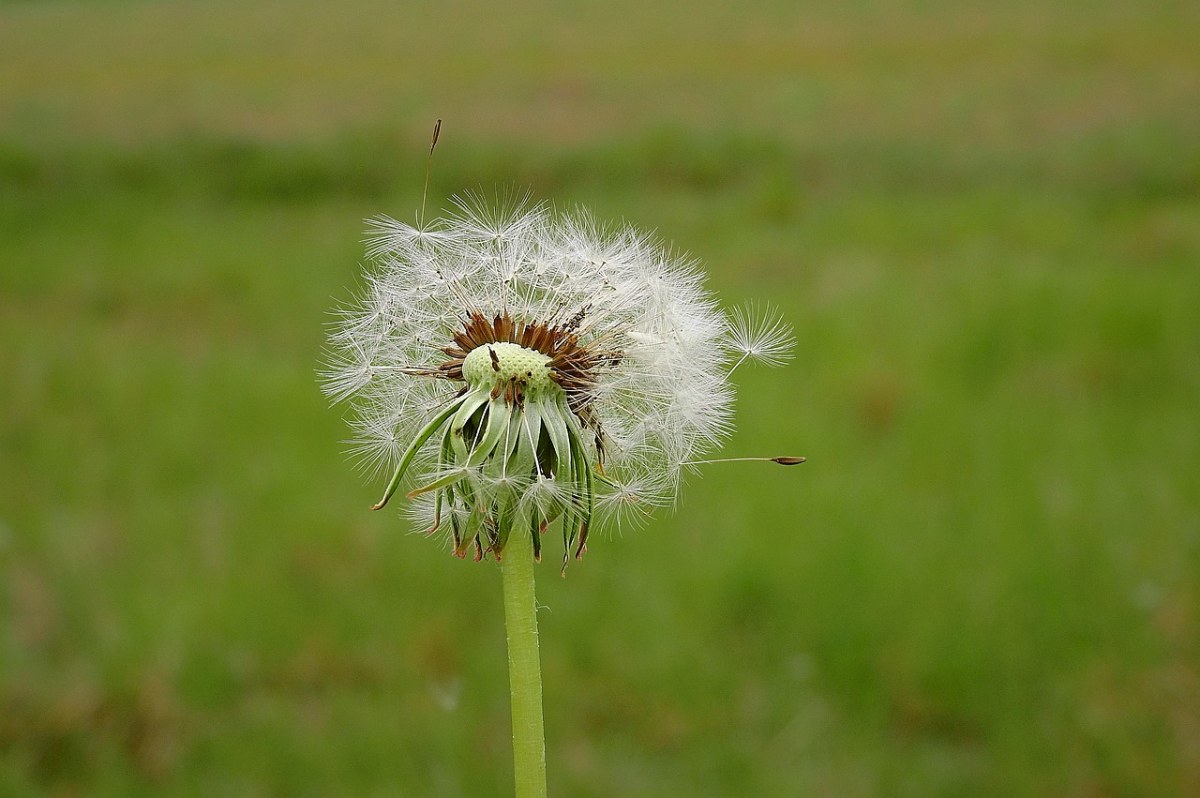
(492, 458)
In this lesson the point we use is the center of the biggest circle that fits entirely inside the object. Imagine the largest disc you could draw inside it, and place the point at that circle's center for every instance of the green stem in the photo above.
(524, 667)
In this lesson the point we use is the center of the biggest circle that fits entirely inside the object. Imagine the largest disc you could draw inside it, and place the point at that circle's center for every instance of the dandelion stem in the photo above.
(524, 668)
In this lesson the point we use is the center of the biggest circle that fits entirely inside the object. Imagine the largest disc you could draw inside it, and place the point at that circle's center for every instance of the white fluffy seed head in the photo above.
(658, 394)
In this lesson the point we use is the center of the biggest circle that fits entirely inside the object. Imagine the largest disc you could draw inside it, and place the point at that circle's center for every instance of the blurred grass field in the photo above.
(982, 219)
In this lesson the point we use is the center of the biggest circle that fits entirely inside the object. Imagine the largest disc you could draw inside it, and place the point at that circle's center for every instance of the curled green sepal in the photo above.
(445, 481)
(406, 459)
(584, 471)
(467, 409)
(495, 428)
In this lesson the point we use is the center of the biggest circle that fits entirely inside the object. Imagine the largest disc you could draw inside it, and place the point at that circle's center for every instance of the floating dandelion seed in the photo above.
(526, 368)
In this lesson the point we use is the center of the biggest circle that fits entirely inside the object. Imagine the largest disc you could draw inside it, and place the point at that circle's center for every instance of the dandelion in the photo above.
(524, 371)
(527, 368)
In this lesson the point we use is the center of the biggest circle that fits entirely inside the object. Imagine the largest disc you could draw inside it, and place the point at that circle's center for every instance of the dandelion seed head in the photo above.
(522, 368)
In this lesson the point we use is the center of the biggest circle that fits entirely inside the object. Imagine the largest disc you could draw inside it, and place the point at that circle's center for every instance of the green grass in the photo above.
(983, 222)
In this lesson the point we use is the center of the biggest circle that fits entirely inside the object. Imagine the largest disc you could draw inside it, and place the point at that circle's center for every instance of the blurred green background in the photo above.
(983, 220)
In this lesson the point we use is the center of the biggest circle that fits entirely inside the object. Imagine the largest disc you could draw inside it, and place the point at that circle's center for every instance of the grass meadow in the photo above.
(982, 219)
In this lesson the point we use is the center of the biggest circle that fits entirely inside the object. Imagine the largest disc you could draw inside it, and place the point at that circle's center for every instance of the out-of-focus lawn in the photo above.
(983, 220)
